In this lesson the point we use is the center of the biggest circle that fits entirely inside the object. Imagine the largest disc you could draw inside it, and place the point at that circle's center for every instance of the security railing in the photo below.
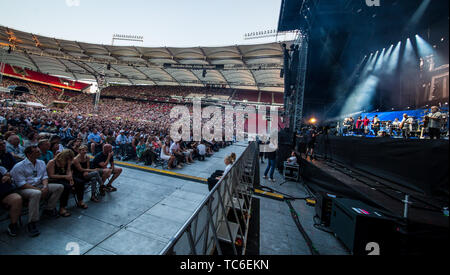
(221, 223)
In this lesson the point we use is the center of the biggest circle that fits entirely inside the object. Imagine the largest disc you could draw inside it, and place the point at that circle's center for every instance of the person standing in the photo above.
(405, 126)
(359, 124)
(366, 123)
(272, 157)
(434, 123)
(311, 142)
(376, 125)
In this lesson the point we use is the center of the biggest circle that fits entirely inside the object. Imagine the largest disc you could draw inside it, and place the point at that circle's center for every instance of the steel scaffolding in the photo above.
(302, 43)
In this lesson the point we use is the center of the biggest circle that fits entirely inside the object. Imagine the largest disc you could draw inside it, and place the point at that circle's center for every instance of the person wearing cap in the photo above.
(434, 124)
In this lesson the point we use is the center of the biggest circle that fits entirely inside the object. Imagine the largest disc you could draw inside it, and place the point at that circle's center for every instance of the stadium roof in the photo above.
(255, 67)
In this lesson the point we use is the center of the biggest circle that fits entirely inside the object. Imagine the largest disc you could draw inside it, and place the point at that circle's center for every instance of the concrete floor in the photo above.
(149, 209)
(139, 219)
(279, 234)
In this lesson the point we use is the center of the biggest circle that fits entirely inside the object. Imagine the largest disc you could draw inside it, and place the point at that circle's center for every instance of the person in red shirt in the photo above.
(359, 124)
(366, 123)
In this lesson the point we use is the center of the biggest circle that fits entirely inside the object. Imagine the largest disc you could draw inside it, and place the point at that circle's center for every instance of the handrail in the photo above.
(249, 153)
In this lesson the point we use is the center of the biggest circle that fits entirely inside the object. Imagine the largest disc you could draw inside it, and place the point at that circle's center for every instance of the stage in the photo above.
(380, 173)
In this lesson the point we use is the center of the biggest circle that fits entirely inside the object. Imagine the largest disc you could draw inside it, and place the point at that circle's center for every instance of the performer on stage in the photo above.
(394, 127)
(376, 125)
(434, 123)
(406, 125)
(366, 123)
(359, 124)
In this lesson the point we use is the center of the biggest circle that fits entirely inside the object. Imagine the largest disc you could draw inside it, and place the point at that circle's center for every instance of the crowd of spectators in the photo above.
(163, 93)
(185, 94)
(38, 93)
(43, 151)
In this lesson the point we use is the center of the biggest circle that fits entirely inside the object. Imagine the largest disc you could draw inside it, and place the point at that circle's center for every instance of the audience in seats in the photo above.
(31, 179)
(10, 199)
(104, 161)
(13, 146)
(59, 171)
(46, 154)
(82, 174)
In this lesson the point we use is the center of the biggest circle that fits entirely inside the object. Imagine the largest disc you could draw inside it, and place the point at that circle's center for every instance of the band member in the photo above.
(366, 123)
(376, 125)
(346, 126)
(433, 120)
(395, 126)
(406, 125)
(396, 123)
(359, 125)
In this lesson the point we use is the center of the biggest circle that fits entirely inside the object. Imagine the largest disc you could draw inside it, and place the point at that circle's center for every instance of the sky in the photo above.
(172, 23)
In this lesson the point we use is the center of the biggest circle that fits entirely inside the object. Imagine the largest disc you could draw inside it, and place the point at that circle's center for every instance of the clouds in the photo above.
(73, 3)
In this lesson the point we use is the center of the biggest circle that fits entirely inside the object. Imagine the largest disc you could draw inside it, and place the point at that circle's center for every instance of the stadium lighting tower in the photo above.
(269, 33)
(124, 37)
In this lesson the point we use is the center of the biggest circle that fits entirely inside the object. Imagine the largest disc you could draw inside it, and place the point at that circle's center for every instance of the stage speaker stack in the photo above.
(285, 148)
(324, 207)
(361, 227)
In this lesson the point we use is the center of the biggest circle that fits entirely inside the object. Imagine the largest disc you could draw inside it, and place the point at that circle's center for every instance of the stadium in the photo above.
(328, 138)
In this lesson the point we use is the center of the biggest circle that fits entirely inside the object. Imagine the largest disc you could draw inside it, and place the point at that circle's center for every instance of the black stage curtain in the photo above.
(418, 164)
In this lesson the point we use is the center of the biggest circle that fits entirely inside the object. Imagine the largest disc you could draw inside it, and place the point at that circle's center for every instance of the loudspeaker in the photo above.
(361, 228)
(324, 207)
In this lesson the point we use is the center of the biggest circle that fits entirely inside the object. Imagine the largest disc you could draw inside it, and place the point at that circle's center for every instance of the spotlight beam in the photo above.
(415, 19)
(409, 56)
(423, 47)
(380, 61)
(394, 59)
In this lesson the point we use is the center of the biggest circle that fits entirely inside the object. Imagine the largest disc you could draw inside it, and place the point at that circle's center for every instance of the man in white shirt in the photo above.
(293, 159)
(406, 125)
(30, 177)
(434, 124)
(201, 150)
(122, 141)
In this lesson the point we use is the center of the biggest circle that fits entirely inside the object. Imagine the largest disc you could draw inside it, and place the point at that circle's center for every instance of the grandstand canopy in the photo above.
(254, 67)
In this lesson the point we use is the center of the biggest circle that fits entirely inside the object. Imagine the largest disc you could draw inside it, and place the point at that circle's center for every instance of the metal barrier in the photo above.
(209, 226)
